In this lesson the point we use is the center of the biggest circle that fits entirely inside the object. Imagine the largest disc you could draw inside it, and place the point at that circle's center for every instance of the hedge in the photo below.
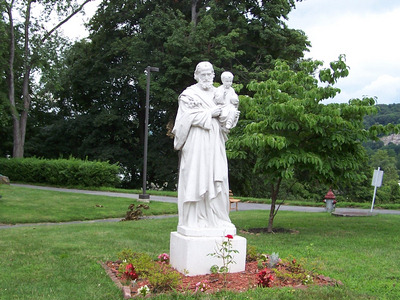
(60, 172)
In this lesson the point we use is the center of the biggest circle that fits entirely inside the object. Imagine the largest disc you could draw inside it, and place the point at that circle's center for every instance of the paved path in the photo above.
(242, 205)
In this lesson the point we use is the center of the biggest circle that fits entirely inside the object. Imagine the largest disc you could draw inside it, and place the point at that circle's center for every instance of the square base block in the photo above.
(190, 255)
(210, 232)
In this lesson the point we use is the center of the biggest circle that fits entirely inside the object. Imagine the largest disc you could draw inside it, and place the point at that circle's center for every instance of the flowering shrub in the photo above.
(265, 278)
(294, 266)
(291, 270)
(130, 272)
(308, 279)
(225, 253)
(202, 286)
(164, 258)
(160, 275)
(144, 290)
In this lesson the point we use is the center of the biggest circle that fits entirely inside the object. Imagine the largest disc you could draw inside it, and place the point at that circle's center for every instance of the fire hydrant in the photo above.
(330, 201)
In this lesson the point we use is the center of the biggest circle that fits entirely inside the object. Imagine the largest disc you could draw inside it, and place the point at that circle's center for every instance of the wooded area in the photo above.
(89, 101)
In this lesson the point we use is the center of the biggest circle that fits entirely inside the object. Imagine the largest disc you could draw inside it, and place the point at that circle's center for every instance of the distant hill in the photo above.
(388, 113)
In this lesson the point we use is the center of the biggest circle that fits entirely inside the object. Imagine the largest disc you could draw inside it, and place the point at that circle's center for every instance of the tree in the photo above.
(32, 37)
(289, 133)
(105, 73)
(389, 192)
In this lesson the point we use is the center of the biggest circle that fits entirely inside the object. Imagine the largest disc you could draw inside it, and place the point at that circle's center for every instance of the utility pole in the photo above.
(146, 197)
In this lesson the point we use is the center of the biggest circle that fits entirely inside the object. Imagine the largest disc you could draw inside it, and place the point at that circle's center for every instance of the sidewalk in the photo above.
(241, 207)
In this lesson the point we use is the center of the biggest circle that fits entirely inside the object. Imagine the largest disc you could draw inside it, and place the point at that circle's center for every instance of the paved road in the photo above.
(242, 205)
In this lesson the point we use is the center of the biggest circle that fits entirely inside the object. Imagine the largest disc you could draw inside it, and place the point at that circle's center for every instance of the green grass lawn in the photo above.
(25, 205)
(61, 262)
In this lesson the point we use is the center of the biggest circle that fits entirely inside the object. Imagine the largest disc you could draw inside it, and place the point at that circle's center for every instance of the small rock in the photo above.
(127, 292)
(4, 179)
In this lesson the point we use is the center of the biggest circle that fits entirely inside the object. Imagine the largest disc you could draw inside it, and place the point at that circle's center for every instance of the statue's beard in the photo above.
(206, 84)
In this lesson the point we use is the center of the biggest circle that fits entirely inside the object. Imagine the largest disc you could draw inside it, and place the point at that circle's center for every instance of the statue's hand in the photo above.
(216, 112)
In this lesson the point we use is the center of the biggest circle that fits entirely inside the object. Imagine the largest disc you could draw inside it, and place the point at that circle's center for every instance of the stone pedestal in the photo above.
(190, 254)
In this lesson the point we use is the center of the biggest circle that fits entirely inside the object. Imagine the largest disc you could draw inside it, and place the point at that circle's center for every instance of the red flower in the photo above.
(229, 236)
(265, 278)
(130, 272)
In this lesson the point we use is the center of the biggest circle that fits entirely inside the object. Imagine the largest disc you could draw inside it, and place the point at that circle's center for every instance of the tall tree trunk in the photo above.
(194, 12)
(11, 86)
(26, 97)
(20, 118)
(273, 210)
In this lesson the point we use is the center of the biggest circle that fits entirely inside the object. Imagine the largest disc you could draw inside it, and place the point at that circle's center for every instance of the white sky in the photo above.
(366, 31)
(74, 28)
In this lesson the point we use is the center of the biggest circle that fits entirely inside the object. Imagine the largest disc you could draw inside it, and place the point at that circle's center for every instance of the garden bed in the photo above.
(284, 275)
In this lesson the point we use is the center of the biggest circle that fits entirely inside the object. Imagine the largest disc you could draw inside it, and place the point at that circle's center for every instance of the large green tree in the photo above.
(288, 132)
(103, 77)
(27, 41)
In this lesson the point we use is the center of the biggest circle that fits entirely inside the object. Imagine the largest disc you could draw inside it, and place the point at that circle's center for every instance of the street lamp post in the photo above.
(146, 197)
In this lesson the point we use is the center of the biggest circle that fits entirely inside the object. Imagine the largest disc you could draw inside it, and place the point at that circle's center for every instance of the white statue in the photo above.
(203, 190)
(226, 98)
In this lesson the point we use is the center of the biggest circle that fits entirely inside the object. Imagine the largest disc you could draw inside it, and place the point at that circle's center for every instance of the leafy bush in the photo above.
(141, 261)
(251, 254)
(62, 172)
(161, 275)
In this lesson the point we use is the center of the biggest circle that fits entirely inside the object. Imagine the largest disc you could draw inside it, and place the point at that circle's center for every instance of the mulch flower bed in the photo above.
(238, 282)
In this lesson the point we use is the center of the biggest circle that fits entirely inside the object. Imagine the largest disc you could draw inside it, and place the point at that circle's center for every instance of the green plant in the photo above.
(162, 277)
(291, 269)
(144, 290)
(143, 264)
(202, 286)
(62, 172)
(224, 251)
(308, 279)
(251, 254)
(126, 254)
(214, 269)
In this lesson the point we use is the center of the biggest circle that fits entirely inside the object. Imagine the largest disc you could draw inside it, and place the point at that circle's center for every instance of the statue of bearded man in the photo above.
(203, 190)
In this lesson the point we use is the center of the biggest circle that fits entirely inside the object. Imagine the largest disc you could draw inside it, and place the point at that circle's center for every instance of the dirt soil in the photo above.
(239, 282)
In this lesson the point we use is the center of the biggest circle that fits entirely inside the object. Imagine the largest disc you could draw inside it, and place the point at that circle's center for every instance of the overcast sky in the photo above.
(366, 31)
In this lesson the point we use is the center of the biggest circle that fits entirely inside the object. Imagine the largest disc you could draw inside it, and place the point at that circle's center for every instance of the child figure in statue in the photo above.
(226, 98)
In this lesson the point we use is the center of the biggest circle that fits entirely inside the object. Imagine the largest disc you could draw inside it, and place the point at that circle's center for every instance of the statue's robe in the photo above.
(203, 189)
